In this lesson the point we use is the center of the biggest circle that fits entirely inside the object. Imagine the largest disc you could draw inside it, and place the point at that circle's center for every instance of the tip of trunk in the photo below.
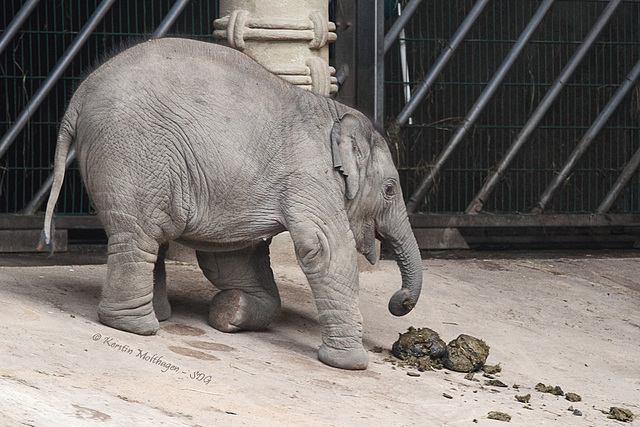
(401, 303)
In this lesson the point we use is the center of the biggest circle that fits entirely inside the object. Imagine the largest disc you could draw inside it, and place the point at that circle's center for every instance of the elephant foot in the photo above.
(130, 320)
(233, 310)
(349, 358)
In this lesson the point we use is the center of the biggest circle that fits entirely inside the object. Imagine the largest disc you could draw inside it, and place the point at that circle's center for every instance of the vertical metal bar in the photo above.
(345, 51)
(378, 78)
(403, 64)
(477, 203)
(604, 116)
(399, 24)
(16, 23)
(626, 175)
(441, 62)
(370, 58)
(170, 19)
(427, 183)
(54, 76)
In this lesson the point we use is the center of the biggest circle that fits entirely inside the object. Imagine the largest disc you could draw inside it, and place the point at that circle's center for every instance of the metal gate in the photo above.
(524, 111)
(52, 32)
(504, 116)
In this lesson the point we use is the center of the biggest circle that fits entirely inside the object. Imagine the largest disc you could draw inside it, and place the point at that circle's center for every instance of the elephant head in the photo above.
(374, 201)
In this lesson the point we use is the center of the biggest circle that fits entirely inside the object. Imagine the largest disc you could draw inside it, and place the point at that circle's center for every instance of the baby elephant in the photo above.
(194, 142)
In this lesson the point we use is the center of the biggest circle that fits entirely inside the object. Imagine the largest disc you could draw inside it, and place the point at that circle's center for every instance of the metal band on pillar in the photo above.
(258, 29)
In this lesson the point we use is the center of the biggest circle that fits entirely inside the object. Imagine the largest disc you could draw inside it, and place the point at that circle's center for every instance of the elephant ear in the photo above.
(344, 148)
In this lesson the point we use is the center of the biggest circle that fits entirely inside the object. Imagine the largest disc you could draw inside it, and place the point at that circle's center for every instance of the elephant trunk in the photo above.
(405, 249)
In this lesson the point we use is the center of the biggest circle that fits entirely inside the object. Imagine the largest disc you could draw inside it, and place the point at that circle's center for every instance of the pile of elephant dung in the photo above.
(466, 354)
(423, 349)
(499, 416)
(556, 391)
(620, 414)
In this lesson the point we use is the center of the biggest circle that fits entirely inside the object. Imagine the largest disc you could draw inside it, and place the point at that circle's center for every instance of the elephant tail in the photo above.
(66, 137)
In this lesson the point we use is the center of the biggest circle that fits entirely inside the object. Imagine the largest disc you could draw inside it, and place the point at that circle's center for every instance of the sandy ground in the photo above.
(565, 319)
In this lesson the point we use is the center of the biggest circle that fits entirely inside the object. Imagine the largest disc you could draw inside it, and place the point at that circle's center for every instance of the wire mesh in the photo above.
(36, 49)
(54, 24)
(417, 145)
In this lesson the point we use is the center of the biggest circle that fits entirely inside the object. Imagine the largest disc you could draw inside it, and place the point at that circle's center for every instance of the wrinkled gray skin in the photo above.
(194, 142)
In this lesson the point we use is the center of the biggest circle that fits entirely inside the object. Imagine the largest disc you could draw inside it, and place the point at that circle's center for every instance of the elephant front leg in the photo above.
(127, 296)
(248, 297)
(329, 260)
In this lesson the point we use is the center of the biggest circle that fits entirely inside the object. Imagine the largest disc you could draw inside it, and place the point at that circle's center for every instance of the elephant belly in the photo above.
(220, 246)
(205, 246)
(230, 236)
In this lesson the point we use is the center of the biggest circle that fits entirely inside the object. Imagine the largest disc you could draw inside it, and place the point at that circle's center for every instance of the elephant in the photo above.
(193, 142)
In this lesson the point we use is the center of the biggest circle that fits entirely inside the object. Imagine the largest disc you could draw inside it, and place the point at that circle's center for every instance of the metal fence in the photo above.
(451, 150)
(472, 67)
(34, 51)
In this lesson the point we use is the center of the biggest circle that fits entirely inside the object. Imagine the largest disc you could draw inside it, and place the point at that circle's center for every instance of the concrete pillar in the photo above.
(290, 38)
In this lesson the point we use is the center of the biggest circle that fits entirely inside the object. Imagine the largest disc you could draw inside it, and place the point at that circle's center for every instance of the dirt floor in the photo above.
(560, 318)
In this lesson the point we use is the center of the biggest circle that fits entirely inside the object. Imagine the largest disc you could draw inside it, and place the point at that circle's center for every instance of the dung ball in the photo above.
(466, 354)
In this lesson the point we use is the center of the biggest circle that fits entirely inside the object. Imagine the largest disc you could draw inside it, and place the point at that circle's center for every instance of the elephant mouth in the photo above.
(370, 252)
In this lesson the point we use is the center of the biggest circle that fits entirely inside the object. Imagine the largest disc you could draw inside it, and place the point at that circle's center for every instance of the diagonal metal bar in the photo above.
(40, 196)
(16, 23)
(428, 182)
(624, 178)
(170, 19)
(588, 138)
(441, 62)
(477, 204)
(399, 24)
(54, 76)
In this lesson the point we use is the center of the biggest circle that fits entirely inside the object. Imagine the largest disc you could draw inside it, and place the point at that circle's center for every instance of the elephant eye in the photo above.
(389, 190)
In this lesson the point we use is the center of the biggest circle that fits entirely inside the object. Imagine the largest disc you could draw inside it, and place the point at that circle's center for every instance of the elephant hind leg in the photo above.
(248, 297)
(127, 296)
(160, 300)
